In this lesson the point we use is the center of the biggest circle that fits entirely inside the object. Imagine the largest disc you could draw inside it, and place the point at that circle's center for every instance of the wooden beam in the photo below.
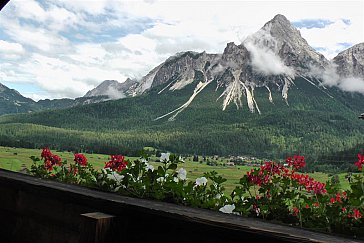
(96, 227)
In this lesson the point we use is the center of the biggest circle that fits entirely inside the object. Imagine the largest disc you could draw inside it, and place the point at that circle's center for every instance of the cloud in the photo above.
(267, 62)
(11, 50)
(352, 84)
(331, 78)
(114, 94)
(264, 59)
(329, 40)
(82, 43)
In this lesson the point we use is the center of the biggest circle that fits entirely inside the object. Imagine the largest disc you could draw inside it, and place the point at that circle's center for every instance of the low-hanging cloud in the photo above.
(264, 59)
(267, 62)
(114, 93)
(331, 78)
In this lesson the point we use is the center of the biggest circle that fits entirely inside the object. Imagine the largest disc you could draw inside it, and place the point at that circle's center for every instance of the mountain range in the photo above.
(272, 94)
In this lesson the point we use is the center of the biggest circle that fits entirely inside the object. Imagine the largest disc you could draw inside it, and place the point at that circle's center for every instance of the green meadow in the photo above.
(17, 159)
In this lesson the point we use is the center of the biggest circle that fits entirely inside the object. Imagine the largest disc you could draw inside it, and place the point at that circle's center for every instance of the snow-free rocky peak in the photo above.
(281, 37)
(112, 89)
(350, 63)
(270, 59)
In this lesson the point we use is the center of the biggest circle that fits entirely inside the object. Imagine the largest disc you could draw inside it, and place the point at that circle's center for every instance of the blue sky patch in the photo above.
(312, 23)
(22, 87)
(346, 21)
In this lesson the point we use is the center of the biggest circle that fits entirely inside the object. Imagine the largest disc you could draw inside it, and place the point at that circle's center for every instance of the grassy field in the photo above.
(17, 159)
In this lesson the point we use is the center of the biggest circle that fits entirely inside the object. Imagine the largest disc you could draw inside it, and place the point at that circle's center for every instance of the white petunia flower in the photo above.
(182, 174)
(228, 208)
(201, 181)
(164, 157)
(149, 167)
(218, 196)
(161, 179)
(115, 176)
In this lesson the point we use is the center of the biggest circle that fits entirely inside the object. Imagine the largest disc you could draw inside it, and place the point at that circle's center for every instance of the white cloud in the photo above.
(263, 48)
(69, 46)
(267, 62)
(331, 78)
(11, 50)
(352, 84)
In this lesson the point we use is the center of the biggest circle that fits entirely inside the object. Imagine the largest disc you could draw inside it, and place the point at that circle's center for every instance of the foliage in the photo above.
(272, 191)
(314, 125)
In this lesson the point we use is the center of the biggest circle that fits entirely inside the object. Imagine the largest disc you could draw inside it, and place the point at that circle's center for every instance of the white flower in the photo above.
(144, 160)
(182, 174)
(201, 181)
(161, 179)
(115, 176)
(149, 167)
(218, 196)
(257, 211)
(228, 208)
(164, 157)
(175, 179)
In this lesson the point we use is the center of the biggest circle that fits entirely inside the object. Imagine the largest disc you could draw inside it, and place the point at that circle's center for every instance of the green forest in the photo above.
(321, 125)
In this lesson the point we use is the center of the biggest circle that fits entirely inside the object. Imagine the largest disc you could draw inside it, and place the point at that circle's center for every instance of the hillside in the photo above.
(313, 124)
(232, 103)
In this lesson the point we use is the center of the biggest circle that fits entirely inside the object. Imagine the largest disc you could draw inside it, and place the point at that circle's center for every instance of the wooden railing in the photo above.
(36, 210)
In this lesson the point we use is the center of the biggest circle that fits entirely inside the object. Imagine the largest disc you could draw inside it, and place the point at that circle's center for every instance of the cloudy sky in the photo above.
(63, 48)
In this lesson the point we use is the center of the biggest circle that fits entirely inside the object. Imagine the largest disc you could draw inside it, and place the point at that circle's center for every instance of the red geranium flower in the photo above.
(46, 154)
(356, 214)
(50, 159)
(116, 163)
(296, 162)
(360, 161)
(80, 159)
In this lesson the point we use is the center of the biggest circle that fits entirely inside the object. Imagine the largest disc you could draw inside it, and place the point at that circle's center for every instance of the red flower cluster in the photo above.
(310, 184)
(360, 161)
(338, 198)
(316, 204)
(295, 211)
(270, 169)
(50, 160)
(356, 214)
(116, 163)
(80, 159)
(296, 162)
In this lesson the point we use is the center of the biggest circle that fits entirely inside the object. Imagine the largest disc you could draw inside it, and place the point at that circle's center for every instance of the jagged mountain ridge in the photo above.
(271, 59)
(112, 89)
(298, 113)
(350, 62)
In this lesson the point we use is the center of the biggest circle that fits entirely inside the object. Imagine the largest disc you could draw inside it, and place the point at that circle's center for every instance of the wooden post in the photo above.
(96, 227)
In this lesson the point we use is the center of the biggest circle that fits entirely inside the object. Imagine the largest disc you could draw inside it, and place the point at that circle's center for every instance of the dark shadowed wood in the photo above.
(57, 207)
(96, 228)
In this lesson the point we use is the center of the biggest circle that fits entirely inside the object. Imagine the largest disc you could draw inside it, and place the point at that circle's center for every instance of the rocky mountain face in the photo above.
(350, 63)
(285, 41)
(113, 89)
(270, 59)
